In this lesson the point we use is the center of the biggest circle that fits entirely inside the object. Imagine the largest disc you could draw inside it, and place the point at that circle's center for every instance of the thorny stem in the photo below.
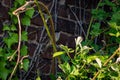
(118, 50)
(18, 48)
(91, 21)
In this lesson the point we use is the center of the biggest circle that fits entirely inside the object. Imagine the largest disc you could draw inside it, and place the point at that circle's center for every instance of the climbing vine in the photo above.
(16, 35)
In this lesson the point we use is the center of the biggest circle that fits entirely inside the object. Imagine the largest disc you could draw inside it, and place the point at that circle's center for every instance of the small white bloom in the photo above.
(59, 78)
(99, 62)
(85, 48)
(78, 40)
(118, 60)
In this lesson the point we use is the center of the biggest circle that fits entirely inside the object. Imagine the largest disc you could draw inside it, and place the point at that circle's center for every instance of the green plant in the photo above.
(96, 64)
(14, 38)
(9, 52)
(83, 65)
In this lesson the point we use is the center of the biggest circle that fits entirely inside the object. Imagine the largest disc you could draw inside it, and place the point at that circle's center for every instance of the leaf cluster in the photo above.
(11, 40)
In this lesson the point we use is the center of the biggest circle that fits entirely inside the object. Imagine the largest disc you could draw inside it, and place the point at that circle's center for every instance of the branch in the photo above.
(106, 62)
(18, 48)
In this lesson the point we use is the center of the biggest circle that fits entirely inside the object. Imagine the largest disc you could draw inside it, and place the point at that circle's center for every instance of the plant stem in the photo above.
(91, 21)
(112, 56)
(45, 25)
(52, 35)
(18, 48)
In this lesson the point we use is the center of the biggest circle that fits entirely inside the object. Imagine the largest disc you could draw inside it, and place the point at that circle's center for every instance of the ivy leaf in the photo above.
(58, 53)
(6, 28)
(109, 3)
(11, 40)
(21, 1)
(24, 36)
(13, 28)
(116, 16)
(24, 50)
(96, 29)
(99, 14)
(30, 12)
(25, 64)
(26, 21)
(3, 71)
(14, 19)
(1, 52)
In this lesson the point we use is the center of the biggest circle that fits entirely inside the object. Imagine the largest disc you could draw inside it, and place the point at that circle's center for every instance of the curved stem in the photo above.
(18, 49)
(52, 38)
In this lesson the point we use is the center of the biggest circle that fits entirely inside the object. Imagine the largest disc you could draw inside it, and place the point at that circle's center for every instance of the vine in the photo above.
(21, 55)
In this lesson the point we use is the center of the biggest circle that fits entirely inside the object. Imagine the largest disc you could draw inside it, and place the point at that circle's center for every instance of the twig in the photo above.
(23, 8)
(39, 4)
(18, 48)
(23, 58)
(79, 22)
(111, 57)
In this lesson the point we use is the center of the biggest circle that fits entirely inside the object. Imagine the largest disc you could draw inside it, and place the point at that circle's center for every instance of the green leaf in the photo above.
(109, 3)
(21, 2)
(3, 71)
(24, 36)
(117, 34)
(13, 28)
(74, 70)
(24, 50)
(58, 53)
(6, 28)
(71, 77)
(1, 52)
(65, 67)
(95, 29)
(96, 26)
(65, 48)
(11, 40)
(116, 16)
(30, 12)
(91, 58)
(114, 25)
(99, 14)
(25, 21)
(64, 57)
(52, 77)
(25, 64)
(14, 19)
(38, 78)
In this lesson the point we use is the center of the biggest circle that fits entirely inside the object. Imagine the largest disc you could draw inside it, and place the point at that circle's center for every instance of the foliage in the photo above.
(7, 52)
(83, 62)
(86, 63)
(83, 65)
